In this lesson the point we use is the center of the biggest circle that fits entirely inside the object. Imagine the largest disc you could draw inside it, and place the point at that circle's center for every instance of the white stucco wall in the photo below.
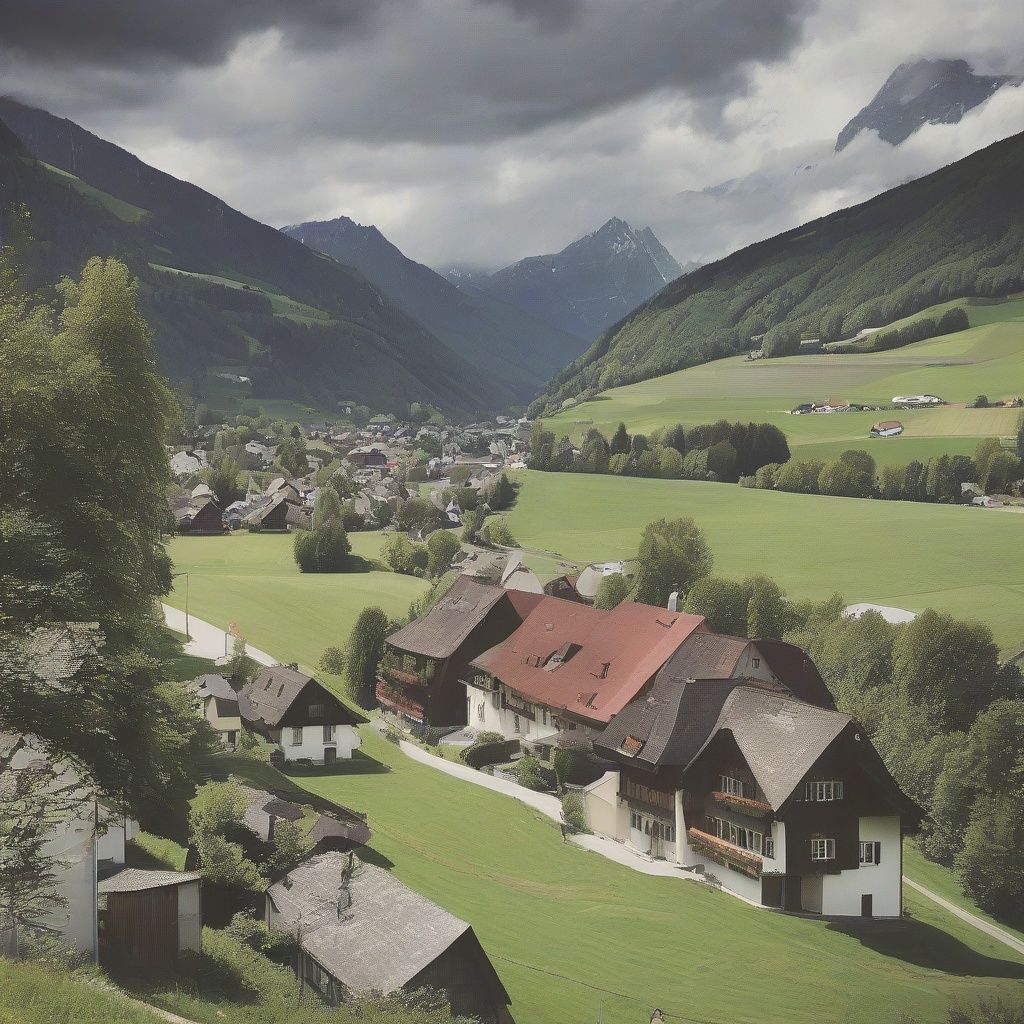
(753, 664)
(811, 889)
(605, 816)
(735, 881)
(221, 723)
(841, 894)
(485, 714)
(346, 739)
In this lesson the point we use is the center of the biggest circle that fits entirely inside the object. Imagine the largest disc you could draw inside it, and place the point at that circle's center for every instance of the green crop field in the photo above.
(986, 359)
(250, 579)
(570, 931)
(962, 560)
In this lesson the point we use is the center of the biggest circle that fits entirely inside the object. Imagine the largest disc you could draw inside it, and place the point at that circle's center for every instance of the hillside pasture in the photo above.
(962, 560)
(251, 579)
(987, 358)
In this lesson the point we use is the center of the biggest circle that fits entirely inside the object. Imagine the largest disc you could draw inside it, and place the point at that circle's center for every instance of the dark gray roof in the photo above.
(706, 656)
(283, 809)
(671, 723)
(137, 880)
(53, 654)
(371, 932)
(269, 696)
(440, 632)
(216, 686)
(779, 736)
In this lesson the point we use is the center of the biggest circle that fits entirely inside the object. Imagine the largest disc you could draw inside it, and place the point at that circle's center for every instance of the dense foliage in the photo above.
(325, 547)
(951, 234)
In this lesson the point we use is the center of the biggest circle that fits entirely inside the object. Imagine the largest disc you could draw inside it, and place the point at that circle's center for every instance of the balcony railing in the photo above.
(408, 669)
(743, 804)
(396, 700)
(398, 675)
(721, 851)
(511, 704)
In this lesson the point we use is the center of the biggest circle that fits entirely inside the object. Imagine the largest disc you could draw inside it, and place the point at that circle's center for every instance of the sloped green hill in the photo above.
(299, 324)
(957, 232)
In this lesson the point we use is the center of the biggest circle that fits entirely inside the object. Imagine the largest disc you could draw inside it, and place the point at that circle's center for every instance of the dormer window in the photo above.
(756, 662)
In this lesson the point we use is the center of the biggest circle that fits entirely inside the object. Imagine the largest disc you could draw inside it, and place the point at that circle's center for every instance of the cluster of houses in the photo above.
(719, 754)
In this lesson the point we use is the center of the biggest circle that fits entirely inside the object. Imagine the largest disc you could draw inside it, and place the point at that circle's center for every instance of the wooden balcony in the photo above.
(742, 804)
(405, 678)
(721, 851)
(396, 700)
(517, 706)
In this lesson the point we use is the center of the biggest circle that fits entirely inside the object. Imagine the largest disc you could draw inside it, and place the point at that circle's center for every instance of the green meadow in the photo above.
(962, 560)
(578, 938)
(988, 358)
(251, 579)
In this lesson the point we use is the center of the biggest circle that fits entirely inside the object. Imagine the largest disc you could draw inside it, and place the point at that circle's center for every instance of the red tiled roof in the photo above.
(618, 652)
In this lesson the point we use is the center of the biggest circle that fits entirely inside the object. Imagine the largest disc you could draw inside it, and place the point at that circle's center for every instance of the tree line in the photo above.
(715, 451)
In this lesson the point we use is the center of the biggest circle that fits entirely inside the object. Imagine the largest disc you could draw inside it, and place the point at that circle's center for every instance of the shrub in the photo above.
(276, 945)
(499, 533)
(533, 775)
(495, 752)
(574, 813)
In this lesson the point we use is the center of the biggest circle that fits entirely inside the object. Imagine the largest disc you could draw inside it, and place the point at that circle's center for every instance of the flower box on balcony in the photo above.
(397, 701)
(405, 678)
(743, 804)
(721, 851)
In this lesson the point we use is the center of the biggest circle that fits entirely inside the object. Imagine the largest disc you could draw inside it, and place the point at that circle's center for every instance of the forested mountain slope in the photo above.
(957, 232)
(218, 287)
(498, 338)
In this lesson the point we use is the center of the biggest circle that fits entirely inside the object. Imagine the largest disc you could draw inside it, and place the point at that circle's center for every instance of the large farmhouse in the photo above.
(419, 677)
(305, 720)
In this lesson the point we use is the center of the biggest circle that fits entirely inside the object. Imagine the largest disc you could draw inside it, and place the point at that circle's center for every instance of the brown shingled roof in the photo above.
(440, 632)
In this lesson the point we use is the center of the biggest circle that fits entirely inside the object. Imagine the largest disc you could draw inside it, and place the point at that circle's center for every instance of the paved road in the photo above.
(982, 925)
(208, 641)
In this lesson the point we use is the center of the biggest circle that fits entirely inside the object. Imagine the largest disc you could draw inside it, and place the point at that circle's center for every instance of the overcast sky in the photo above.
(481, 131)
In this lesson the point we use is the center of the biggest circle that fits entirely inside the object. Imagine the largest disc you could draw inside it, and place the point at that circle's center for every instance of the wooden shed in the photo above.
(149, 918)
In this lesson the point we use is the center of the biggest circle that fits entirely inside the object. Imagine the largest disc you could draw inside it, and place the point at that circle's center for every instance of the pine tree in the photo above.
(620, 442)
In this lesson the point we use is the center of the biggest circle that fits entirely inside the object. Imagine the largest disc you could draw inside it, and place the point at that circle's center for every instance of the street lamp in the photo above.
(174, 576)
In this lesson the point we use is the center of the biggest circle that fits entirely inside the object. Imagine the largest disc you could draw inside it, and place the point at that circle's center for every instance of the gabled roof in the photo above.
(269, 696)
(707, 656)
(137, 880)
(585, 660)
(445, 627)
(779, 736)
(353, 830)
(215, 686)
(369, 931)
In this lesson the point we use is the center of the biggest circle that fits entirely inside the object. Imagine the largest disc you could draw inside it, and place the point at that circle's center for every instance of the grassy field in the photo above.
(251, 579)
(125, 211)
(962, 560)
(569, 930)
(986, 359)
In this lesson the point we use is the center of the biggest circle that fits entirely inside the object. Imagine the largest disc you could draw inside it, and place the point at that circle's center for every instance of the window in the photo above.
(718, 828)
(769, 848)
(636, 820)
(316, 711)
(480, 711)
(731, 786)
(297, 736)
(756, 662)
(328, 734)
(515, 723)
(745, 838)
(870, 853)
(823, 849)
(232, 736)
(668, 832)
(823, 792)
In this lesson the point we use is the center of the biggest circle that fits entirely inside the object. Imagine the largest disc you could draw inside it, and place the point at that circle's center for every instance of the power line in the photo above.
(604, 991)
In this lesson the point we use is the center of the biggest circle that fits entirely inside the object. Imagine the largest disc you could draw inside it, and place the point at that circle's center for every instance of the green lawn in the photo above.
(562, 924)
(986, 359)
(942, 882)
(962, 560)
(251, 579)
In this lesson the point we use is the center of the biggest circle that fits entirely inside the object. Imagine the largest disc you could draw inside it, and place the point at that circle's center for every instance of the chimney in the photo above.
(673, 601)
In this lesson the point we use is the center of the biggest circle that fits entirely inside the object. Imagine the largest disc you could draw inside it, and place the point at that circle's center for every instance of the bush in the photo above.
(533, 775)
(498, 532)
(981, 402)
(492, 752)
(574, 813)
(276, 945)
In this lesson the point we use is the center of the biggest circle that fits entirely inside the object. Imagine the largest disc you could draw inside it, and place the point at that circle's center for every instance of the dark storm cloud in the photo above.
(557, 14)
(192, 33)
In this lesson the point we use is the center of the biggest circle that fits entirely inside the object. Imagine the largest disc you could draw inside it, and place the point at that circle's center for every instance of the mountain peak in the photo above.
(920, 92)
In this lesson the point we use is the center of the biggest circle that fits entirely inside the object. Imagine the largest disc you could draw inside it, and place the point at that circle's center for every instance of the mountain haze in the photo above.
(588, 285)
(497, 338)
(922, 92)
(956, 232)
(220, 288)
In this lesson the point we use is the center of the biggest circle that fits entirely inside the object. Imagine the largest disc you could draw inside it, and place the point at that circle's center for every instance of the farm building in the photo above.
(887, 428)
(361, 930)
(149, 918)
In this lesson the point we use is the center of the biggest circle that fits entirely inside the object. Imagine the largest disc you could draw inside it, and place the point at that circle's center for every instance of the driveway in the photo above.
(208, 641)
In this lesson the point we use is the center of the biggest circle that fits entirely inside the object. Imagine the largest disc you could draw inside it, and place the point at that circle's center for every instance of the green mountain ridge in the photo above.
(496, 337)
(302, 326)
(955, 233)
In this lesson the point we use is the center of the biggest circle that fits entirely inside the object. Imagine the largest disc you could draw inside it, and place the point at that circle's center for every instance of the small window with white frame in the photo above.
(823, 849)
(825, 791)
(868, 854)
(328, 734)
(297, 736)
(731, 785)
(769, 848)
(636, 821)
